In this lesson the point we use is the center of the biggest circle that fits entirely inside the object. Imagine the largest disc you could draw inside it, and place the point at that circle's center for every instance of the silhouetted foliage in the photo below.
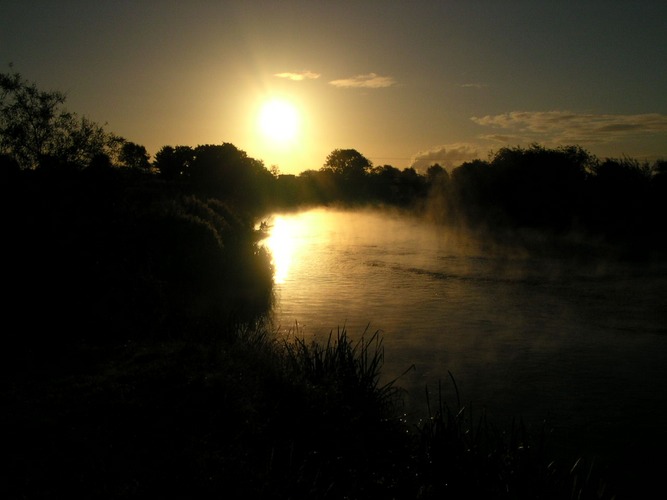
(218, 170)
(539, 187)
(34, 126)
(385, 184)
(620, 201)
(134, 156)
(346, 169)
(412, 185)
(322, 187)
(658, 209)
(348, 163)
(471, 192)
(174, 163)
(435, 204)
(564, 191)
(108, 253)
(437, 174)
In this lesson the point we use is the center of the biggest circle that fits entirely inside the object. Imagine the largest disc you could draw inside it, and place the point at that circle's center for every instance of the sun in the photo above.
(279, 121)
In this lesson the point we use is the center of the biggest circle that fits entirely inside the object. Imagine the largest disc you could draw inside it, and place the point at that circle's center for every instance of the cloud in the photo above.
(369, 81)
(566, 126)
(504, 138)
(447, 156)
(299, 75)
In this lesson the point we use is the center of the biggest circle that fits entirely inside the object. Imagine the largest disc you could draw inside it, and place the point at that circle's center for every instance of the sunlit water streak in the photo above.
(531, 338)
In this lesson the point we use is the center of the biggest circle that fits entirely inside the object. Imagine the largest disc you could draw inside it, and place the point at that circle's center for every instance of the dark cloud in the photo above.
(565, 126)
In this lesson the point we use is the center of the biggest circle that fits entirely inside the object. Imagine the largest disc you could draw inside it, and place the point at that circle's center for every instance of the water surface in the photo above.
(582, 347)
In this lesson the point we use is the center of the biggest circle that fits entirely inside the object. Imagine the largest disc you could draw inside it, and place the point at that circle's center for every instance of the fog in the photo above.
(574, 342)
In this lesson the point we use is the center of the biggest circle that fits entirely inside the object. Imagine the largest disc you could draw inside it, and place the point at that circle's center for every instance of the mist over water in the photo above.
(581, 346)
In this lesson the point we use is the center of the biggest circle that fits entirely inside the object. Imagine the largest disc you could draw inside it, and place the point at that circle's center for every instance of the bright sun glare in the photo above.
(281, 244)
(279, 121)
(288, 241)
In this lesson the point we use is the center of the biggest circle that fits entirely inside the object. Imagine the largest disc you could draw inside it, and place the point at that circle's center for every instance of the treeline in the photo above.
(561, 191)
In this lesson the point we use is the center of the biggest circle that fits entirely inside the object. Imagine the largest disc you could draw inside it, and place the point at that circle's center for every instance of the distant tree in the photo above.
(385, 183)
(658, 209)
(223, 170)
(34, 126)
(659, 168)
(620, 190)
(347, 171)
(134, 156)
(623, 171)
(411, 185)
(319, 186)
(437, 185)
(348, 163)
(287, 191)
(471, 190)
(385, 171)
(540, 187)
(99, 163)
(436, 174)
(219, 166)
(174, 163)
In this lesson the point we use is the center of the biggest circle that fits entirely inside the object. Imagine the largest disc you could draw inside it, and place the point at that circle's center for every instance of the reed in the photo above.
(455, 452)
(350, 368)
(460, 455)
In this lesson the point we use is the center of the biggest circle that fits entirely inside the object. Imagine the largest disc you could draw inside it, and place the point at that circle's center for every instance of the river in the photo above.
(580, 347)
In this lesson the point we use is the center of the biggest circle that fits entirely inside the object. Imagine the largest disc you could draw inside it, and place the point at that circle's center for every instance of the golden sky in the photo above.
(404, 83)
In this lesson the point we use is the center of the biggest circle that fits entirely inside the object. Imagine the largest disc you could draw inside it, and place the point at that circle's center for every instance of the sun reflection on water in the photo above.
(290, 238)
(282, 243)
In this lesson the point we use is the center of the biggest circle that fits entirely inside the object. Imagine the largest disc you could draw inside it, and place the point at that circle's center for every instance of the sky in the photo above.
(405, 83)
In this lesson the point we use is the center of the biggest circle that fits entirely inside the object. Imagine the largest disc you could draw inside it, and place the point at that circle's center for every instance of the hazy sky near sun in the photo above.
(403, 82)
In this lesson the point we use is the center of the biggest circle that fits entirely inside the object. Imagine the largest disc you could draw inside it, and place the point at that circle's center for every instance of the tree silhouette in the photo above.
(471, 192)
(346, 170)
(436, 174)
(619, 194)
(348, 163)
(174, 163)
(385, 183)
(134, 156)
(224, 171)
(34, 127)
(437, 190)
(411, 185)
(540, 187)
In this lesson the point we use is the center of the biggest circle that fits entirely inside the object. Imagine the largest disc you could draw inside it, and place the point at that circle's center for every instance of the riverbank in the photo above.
(240, 414)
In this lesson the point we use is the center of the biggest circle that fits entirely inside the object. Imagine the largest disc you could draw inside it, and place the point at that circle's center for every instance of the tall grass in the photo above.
(346, 442)
(352, 369)
(452, 453)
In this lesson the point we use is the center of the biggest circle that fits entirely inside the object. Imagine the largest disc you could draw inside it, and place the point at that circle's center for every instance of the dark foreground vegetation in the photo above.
(137, 357)
(136, 363)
